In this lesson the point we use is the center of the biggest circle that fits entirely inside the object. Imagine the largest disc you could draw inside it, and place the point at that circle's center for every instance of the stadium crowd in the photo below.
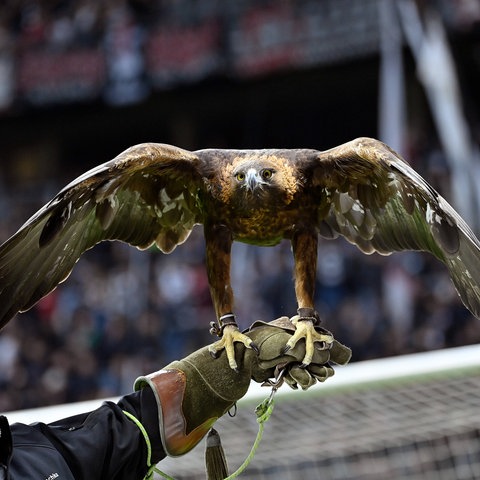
(123, 311)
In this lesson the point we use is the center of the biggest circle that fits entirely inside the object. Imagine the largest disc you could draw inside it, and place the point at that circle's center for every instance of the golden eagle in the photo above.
(155, 193)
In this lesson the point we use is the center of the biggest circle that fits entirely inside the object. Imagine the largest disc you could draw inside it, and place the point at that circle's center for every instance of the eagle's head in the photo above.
(249, 180)
(260, 182)
(254, 178)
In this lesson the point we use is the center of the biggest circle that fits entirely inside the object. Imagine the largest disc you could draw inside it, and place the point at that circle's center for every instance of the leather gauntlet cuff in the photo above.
(191, 395)
(169, 388)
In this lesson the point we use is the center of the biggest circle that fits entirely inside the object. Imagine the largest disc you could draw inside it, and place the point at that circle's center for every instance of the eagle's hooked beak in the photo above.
(252, 179)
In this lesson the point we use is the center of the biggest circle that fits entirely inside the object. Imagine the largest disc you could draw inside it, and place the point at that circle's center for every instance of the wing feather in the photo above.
(146, 195)
(379, 203)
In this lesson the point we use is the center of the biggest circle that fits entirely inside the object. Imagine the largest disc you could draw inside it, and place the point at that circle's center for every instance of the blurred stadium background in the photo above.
(82, 80)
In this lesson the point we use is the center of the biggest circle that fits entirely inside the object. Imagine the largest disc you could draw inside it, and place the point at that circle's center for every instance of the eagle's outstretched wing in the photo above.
(378, 202)
(148, 194)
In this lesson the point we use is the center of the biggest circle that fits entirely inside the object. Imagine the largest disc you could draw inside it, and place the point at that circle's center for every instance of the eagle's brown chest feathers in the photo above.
(262, 227)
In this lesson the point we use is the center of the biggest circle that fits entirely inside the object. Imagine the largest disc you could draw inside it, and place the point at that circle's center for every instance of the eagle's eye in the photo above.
(240, 176)
(266, 173)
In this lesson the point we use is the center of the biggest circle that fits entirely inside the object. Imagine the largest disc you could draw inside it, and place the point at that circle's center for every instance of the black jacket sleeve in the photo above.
(100, 444)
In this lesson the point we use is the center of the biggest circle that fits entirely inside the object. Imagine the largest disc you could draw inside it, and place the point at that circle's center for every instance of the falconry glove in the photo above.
(194, 392)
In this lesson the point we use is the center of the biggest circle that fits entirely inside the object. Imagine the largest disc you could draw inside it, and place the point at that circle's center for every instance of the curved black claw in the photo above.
(215, 329)
(214, 354)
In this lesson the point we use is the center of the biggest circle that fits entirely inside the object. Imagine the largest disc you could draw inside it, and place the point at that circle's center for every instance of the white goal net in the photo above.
(411, 417)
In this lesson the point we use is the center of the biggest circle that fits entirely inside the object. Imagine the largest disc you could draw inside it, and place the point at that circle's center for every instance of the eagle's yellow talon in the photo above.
(231, 334)
(306, 329)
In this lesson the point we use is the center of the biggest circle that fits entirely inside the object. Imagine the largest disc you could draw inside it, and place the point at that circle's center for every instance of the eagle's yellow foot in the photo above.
(305, 328)
(230, 335)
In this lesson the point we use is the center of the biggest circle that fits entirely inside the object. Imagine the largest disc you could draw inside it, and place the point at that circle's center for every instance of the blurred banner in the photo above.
(176, 54)
(280, 36)
(49, 77)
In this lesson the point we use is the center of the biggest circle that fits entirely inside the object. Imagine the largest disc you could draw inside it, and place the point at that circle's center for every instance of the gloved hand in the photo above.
(194, 392)
(272, 355)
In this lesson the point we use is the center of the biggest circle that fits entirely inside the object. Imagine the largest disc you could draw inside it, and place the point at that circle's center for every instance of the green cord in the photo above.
(151, 468)
(263, 412)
